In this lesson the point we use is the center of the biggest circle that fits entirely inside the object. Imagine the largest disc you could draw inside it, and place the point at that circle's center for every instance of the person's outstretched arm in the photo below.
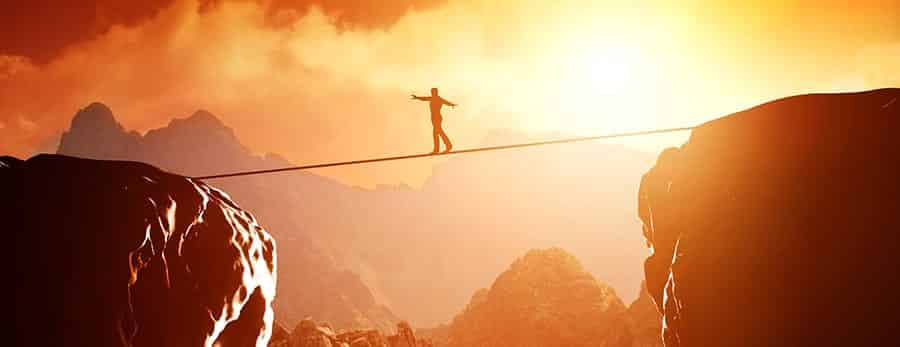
(448, 103)
(422, 98)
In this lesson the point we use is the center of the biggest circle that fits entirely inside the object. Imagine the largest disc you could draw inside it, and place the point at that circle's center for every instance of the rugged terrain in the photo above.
(308, 333)
(311, 281)
(109, 253)
(397, 246)
(777, 226)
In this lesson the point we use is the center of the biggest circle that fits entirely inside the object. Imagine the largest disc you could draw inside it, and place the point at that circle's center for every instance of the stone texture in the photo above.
(109, 253)
(777, 226)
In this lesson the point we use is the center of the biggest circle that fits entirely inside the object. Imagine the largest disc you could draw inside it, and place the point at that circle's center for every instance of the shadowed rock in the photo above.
(309, 334)
(311, 281)
(778, 225)
(123, 254)
(644, 321)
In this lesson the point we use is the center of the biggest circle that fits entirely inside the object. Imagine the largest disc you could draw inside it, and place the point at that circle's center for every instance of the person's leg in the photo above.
(435, 134)
(447, 144)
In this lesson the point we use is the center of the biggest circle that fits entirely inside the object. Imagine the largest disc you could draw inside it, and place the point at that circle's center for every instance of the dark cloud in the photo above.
(42, 29)
(355, 13)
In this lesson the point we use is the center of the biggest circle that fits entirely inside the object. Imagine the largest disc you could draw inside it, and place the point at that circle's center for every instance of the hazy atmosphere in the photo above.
(316, 81)
(437, 173)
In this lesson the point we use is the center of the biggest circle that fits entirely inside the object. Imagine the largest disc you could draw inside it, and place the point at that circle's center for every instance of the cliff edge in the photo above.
(777, 226)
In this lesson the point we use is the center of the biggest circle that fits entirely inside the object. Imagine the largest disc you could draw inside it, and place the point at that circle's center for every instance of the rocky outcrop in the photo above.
(776, 226)
(310, 334)
(280, 336)
(545, 298)
(644, 321)
(435, 336)
(364, 338)
(405, 336)
(111, 253)
(311, 281)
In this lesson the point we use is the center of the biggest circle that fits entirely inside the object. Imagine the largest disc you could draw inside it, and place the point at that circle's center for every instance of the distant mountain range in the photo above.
(418, 251)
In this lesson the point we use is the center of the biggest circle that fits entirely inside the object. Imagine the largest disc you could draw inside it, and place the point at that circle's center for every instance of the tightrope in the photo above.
(461, 151)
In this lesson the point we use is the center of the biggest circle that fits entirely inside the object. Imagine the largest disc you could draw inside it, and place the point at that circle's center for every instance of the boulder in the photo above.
(112, 253)
(777, 226)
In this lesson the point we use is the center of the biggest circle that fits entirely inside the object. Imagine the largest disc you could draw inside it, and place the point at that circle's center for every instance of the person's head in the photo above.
(434, 92)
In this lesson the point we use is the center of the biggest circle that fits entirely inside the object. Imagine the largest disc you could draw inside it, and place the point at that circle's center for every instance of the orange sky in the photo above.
(332, 84)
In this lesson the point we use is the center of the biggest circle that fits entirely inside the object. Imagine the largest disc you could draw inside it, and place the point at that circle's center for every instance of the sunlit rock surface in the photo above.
(779, 225)
(312, 281)
(122, 254)
(644, 321)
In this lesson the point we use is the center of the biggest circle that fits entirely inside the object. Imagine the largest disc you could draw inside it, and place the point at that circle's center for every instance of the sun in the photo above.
(598, 86)
(606, 70)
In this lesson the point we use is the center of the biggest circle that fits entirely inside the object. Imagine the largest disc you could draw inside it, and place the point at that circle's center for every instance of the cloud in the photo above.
(305, 90)
(42, 29)
(354, 13)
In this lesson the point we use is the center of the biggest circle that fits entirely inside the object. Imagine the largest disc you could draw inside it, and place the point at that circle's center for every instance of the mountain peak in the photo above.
(200, 119)
(202, 115)
(545, 298)
(554, 257)
(95, 116)
(95, 133)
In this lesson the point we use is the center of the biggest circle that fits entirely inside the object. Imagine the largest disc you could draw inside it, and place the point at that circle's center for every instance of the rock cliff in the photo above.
(111, 253)
(777, 226)
(311, 281)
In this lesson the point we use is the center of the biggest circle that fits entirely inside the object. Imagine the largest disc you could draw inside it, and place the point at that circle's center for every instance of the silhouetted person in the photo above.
(435, 101)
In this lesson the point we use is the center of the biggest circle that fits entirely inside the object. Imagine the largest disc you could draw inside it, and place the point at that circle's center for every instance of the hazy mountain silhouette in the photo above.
(439, 243)
(410, 246)
(110, 253)
(190, 145)
(546, 298)
(777, 226)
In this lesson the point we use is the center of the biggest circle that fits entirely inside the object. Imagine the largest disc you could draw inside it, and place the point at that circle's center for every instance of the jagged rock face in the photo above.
(123, 254)
(405, 337)
(777, 225)
(311, 281)
(364, 338)
(644, 320)
(545, 298)
(309, 334)
(280, 336)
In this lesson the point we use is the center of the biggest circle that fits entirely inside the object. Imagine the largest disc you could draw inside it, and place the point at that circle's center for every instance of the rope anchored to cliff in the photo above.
(461, 151)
